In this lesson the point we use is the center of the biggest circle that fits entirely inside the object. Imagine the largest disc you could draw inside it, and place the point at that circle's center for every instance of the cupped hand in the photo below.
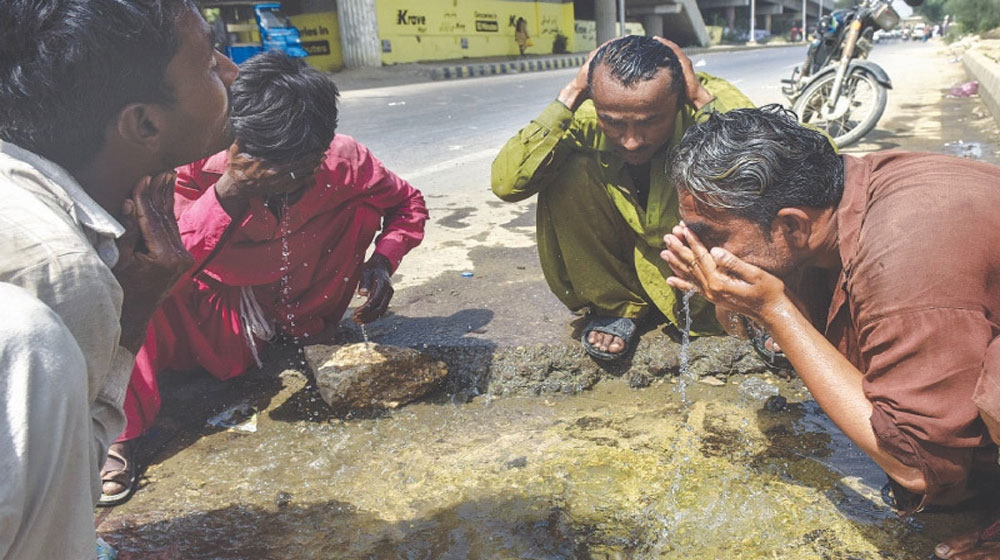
(152, 255)
(247, 177)
(721, 277)
(376, 285)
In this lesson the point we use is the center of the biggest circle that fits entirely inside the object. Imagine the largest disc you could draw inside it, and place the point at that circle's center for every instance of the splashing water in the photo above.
(286, 287)
(364, 333)
(685, 376)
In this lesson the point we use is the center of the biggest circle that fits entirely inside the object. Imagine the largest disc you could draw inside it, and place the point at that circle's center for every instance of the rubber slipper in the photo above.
(990, 534)
(758, 339)
(126, 475)
(622, 327)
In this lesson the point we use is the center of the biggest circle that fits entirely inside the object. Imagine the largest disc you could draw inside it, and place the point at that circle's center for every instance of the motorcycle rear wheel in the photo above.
(865, 100)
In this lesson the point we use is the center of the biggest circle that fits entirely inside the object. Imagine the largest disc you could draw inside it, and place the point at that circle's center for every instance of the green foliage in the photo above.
(975, 16)
(932, 10)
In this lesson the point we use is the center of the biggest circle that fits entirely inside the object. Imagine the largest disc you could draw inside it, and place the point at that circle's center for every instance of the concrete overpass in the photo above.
(684, 21)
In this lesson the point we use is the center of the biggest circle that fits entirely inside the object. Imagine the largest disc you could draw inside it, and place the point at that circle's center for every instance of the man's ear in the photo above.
(138, 124)
(795, 225)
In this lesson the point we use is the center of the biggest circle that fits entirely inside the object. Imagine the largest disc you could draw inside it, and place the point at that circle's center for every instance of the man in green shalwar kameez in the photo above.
(596, 158)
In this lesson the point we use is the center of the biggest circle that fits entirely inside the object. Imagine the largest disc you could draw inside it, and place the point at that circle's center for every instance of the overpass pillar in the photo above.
(767, 23)
(605, 13)
(653, 24)
(731, 17)
(359, 40)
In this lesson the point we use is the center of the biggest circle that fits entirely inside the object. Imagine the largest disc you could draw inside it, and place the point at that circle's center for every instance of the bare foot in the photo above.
(606, 342)
(980, 545)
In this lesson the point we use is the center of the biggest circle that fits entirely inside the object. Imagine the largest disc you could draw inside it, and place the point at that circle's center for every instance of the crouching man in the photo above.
(595, 158)
(279, 226)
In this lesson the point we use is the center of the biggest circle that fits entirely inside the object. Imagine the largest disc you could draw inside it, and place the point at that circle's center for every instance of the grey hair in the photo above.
(754, 162)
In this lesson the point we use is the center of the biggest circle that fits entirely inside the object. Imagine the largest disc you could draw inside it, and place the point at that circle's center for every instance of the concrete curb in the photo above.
(478, 69)
(512, 67)
(987, 72)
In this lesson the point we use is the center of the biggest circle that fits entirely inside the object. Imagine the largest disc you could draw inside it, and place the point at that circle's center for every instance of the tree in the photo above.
(932, 10)
(975, 16)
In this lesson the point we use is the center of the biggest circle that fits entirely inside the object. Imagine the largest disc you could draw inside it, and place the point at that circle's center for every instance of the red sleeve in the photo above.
(402, 206)
(191, 183)
(201, 219)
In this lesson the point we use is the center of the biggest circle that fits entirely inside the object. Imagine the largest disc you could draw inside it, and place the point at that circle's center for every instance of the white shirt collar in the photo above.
(61, 184)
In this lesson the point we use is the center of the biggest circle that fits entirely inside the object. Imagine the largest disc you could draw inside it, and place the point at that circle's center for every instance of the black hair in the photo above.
(635, 59)
(754, 162)
(282, 109)
(68, 67)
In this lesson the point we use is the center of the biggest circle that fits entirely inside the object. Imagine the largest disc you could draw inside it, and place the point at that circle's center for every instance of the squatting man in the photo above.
(595, 157)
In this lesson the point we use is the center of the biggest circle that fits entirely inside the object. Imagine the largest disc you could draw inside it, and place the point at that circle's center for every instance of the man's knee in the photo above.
(579, 184)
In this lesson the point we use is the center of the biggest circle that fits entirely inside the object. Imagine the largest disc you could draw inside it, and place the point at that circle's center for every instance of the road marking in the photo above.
(412, 176)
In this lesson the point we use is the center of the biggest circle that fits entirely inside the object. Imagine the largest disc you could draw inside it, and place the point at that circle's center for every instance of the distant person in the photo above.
(877, 276)
(595, 158)
(521, 36)
(98, 98)
(279, 226)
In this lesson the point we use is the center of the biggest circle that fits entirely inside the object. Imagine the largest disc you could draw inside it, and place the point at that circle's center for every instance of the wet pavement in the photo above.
(530, 449)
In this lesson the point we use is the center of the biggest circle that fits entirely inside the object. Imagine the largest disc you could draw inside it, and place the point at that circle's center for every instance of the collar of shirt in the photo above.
(101, 227)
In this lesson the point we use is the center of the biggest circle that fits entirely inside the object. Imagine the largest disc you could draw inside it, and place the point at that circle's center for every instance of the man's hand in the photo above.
(697, 95)
(152, 255)
(577, 90)
(376, 285)
(722, 278)
(247, 178)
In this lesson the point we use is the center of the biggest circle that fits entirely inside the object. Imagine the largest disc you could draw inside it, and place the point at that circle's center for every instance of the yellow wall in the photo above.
(435, 29)
(320, 32)
(586, 33)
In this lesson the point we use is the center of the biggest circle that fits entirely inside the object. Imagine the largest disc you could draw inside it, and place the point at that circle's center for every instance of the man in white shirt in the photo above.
(99, 99)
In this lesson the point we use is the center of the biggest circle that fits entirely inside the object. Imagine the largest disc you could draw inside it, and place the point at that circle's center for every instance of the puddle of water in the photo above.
(610, 473)
(969, 150)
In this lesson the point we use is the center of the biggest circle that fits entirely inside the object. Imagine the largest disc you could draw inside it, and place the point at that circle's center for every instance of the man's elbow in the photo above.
(506, 191)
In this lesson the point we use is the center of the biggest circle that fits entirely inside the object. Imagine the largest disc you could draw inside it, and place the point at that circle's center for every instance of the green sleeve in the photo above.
(533, 156)
(726, 97)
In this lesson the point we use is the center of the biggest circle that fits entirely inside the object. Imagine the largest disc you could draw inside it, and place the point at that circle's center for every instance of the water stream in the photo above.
(685, 377)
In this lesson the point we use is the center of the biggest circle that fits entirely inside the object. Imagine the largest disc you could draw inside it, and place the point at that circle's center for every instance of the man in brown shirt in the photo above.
(879, 277)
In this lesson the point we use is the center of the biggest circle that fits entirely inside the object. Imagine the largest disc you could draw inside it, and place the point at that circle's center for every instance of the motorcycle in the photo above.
(837, 89)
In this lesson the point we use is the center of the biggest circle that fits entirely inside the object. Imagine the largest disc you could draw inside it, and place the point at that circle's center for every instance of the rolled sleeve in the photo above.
(520, 169)
(987, 395)
(922, 368)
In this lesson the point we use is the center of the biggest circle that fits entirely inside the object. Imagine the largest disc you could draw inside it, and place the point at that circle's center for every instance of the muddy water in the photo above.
(613, 472)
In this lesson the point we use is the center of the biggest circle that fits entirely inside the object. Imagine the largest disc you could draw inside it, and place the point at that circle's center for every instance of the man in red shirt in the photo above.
(279, 226)
(879, 278)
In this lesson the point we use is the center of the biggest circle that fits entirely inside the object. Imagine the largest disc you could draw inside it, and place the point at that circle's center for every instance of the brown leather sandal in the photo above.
(120, 469)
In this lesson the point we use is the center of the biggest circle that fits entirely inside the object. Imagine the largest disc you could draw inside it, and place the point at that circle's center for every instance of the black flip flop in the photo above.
(622, 327)
(758, 339)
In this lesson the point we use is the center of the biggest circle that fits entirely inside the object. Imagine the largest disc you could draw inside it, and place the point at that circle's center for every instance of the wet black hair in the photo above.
(68, 68)
(282, 108)
(635, 59)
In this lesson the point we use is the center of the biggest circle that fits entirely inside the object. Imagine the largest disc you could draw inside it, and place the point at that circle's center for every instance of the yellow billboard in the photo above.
(320, 34)
(449, 29)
